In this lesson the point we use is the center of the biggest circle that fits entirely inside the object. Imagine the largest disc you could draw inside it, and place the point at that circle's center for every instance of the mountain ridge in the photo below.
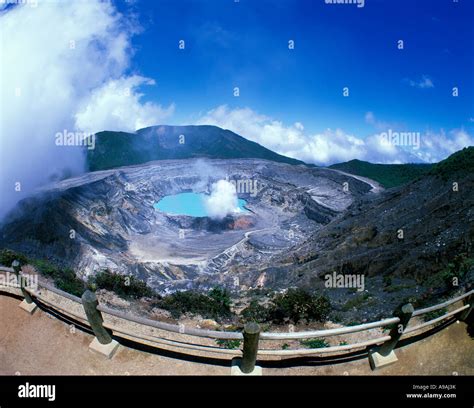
(163, 142)
(388, 175)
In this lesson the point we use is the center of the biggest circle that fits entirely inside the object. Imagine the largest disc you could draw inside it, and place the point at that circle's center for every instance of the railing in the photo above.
(103, 320)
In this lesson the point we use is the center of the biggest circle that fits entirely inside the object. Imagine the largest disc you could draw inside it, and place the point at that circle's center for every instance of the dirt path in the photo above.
(376, 187)
(41, 344)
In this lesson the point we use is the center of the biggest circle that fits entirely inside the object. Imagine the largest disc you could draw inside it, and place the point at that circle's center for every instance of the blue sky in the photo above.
(245, 44)
(86, 66)
(80, 67)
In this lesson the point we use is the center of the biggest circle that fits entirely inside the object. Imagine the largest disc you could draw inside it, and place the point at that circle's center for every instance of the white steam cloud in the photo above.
(222, 201)
(64, 67)
(333, 146)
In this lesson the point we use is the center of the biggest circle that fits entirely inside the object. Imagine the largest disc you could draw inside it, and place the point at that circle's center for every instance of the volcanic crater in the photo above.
(107, 220)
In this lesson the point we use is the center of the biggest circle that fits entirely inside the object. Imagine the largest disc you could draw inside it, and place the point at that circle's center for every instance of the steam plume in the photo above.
(222, 201)
(63, 71)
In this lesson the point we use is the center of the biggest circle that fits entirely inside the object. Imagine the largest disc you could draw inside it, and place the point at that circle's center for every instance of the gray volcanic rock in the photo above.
(106, 219)
(437, 224)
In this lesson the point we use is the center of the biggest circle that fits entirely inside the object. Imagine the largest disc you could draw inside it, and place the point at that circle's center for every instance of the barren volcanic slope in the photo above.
(432, 257)
(115, 226)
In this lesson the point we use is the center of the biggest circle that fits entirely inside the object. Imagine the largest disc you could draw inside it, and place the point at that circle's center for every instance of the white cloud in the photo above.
(331, 146)
(62, 61)
(437, 146)
(116, 106)
(424, 83)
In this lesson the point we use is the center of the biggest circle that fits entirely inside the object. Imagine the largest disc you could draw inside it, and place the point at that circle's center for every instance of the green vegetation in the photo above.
(454, 272)
(228, 344)
(355, 301)
(434, 314)
(315, 343)
(7, 256)
(127, 287)
(221, 297)
(387, 280)
(397, 288)
(297, 304)
(458, 164)
(68, 281)
(64, 279)
(213, 305)
(115, 149)
(255, 312)
(293, 306)
(388, 175)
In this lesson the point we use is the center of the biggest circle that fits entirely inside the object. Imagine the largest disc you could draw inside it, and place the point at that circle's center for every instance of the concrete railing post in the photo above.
(103, 342)
(94, 317)
(25, 293)
(27, 304)
(251, 338)
(385, 355)
(16, 268)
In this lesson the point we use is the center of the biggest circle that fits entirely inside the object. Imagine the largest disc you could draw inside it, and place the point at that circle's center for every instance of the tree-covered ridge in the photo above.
(460, 163)
(389, 175)
(116, 149)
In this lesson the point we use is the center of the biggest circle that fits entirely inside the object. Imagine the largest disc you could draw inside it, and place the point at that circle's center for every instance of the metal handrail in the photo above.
(328, 332)
(441, 305)
(233, 335)
(324, 350)
(182, 329)
(436, 320)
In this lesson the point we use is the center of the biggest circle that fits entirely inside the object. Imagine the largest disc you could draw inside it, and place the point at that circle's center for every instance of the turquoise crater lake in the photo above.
(191, 204)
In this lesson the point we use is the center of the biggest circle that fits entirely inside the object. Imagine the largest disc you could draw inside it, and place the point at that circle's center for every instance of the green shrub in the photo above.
(69, 282)
(228, 344)
(255, 312)
(221, 297)
(355, 301)
(64, 279)
(315, 343)
(7, 256)
(397, 288)
(387, 280)
(125, 286)
(457, 268)
(46, 268)
(296, 305)
(434, 314)
(214, 305)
